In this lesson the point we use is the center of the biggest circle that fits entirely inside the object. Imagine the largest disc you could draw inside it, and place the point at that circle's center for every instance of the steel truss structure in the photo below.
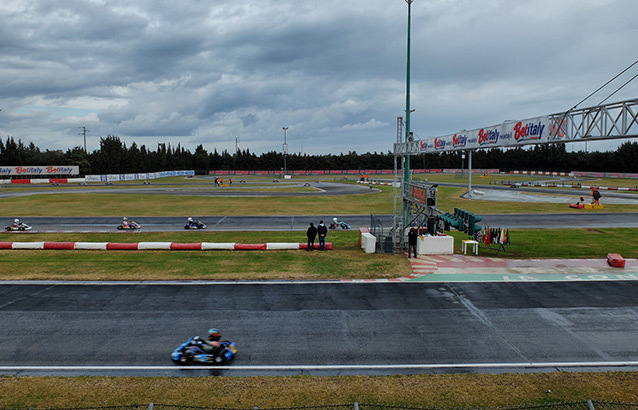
(610, 121)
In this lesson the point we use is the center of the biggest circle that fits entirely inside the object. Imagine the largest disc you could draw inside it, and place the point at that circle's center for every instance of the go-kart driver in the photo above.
(191, 222)
(16, 223)
(124, 222)
(212, 341)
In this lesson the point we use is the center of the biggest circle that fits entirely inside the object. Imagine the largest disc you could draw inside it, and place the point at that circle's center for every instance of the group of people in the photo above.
(321, 230)
(595, 195)
(219, 181)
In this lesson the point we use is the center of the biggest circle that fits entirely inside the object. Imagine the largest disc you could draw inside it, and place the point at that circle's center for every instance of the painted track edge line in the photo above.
(333, 367)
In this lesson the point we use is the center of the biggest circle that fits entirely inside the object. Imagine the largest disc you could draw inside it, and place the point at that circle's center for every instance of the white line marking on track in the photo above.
(337, 366)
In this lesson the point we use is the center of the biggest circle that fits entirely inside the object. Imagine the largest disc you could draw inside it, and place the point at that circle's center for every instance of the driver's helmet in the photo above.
(124, 219)
(16, 220)
(334, 219)
(190, 219)
(213, 335)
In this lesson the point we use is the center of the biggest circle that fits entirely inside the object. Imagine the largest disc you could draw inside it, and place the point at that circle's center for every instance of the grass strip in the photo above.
(345, 261)
(91, 204)
(458, 390)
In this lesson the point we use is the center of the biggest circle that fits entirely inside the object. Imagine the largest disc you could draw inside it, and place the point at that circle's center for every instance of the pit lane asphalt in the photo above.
(427, 328)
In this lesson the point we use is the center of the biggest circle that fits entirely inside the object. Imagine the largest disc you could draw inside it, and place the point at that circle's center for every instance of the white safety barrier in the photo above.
(28, 245)
(368, 242)
(154, 246)
(282, 245)
(435, 245)
(98, 246)
(218, 246)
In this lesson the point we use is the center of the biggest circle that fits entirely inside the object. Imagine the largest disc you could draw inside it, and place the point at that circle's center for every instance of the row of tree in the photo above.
(114, 157)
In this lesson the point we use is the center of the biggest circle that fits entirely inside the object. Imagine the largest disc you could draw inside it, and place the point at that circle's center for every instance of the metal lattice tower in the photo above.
(397, 189)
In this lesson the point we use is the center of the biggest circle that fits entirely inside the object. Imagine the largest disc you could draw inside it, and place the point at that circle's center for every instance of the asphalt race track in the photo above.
(320, 328)
(300, 222)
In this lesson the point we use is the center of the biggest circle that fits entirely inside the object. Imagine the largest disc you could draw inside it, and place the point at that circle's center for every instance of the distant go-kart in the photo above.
(19, 227)
(339, 224)
(129, 226)
(195, 225)
(192, 351)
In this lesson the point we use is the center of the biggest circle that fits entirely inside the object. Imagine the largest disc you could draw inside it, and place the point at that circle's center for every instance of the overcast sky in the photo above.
(332, 71)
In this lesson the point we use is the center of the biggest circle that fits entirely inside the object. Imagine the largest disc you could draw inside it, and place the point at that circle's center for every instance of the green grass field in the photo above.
(112, 204)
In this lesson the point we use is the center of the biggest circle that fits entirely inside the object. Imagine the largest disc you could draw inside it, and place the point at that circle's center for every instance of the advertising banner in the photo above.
(509, 134)
(43, 170)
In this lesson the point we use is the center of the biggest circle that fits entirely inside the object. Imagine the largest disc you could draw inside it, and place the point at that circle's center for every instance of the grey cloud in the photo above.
(333, 71)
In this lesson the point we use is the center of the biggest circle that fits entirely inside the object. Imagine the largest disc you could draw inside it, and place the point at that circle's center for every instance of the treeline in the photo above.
(114, 157)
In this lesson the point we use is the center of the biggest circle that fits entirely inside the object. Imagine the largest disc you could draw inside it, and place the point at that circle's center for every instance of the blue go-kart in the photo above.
(192, 351)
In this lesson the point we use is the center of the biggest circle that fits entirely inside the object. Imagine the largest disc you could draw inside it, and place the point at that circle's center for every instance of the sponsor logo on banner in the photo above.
(439, 143)
(423, 145)
(488, 137)
(40, 170)
(528, 132)
(506, 136)
(459, 140)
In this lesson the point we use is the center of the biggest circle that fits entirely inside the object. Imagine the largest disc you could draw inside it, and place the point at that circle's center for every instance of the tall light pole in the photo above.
(408, 134)
(84, 130)
(406, 170)
(285, 147)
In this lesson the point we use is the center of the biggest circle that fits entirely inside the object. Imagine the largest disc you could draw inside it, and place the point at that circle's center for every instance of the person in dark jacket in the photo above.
(596, 194)
(412, 237)
(322, 230)
(311, 233)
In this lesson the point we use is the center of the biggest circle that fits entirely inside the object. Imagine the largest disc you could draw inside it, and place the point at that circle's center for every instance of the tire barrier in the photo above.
(159, 246)
(59, 245)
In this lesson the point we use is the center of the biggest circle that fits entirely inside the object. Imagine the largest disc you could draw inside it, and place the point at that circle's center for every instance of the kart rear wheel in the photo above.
(218, 359)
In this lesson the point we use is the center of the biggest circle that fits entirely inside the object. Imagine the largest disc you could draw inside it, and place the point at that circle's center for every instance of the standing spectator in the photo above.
(596, 194)
(412, 237)
(311, 233)
(322, 230)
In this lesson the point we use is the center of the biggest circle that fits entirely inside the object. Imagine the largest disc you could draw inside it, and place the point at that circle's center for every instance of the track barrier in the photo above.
(159, 246)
